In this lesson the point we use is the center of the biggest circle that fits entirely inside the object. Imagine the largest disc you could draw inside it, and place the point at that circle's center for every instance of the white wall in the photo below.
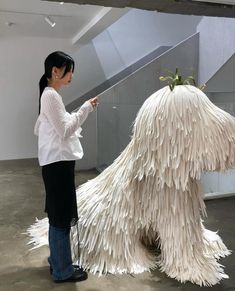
(21, 66)
(138, 33)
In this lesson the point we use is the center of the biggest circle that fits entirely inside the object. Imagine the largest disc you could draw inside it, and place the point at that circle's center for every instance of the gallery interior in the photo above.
(121, 49)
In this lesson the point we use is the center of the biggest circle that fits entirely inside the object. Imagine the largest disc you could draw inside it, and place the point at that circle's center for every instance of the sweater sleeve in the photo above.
(65, 124)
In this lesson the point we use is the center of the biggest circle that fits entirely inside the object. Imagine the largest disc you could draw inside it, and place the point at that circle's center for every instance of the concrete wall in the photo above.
(121, 103)
(138, 33)
(217, 45)
(221, 91)
(88, 72)
(132, 37)
(217, 70)
(224, 79)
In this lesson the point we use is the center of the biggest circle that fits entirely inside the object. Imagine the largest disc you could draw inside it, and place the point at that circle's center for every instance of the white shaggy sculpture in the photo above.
(151, 193)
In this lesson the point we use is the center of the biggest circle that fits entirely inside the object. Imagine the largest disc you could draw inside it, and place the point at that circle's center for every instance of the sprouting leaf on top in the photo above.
(175, 79)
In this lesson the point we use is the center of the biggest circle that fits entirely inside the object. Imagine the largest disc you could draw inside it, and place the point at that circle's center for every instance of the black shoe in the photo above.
(74, 266)
(78, 275)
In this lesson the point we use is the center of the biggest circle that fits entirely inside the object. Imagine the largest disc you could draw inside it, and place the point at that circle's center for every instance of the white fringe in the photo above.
(151, 193)
(38, 233)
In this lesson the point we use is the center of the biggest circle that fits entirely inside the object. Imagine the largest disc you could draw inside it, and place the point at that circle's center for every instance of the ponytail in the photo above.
(42, 85)
(56, 59)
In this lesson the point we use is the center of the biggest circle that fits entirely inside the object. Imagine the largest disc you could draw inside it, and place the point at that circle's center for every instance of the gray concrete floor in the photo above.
(22, 199)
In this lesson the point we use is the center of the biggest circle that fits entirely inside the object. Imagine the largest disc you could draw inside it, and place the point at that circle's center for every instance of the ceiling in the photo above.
(222, 8)
(78, 23)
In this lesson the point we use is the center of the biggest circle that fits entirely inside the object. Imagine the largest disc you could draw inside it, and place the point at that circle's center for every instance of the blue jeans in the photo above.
(60, 258)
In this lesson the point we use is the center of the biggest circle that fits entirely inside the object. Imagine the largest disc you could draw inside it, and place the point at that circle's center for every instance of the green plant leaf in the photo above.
(176, 79)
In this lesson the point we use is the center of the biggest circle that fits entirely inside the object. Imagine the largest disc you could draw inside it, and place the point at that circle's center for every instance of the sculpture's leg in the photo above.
(188, 252)
(111, 238)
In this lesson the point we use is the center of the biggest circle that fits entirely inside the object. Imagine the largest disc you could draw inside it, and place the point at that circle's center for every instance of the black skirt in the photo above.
(61, 204)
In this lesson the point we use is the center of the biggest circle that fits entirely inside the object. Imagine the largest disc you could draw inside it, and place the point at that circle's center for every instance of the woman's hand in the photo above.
(94, 102)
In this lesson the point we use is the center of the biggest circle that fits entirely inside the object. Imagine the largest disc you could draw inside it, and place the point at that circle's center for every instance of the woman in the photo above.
(58, 148)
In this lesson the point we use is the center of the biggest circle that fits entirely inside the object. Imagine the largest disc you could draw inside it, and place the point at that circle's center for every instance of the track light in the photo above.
(50, 21)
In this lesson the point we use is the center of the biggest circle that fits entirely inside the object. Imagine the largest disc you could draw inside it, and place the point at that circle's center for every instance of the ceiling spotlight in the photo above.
(50, 21)
(61, 3)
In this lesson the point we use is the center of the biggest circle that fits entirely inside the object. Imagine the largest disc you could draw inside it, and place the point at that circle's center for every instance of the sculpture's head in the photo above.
(179, 133)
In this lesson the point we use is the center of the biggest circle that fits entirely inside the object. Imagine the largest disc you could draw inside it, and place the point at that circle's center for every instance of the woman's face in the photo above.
(67, 79)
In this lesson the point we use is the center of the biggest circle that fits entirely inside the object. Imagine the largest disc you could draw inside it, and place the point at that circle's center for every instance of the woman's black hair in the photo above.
(56, 59)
